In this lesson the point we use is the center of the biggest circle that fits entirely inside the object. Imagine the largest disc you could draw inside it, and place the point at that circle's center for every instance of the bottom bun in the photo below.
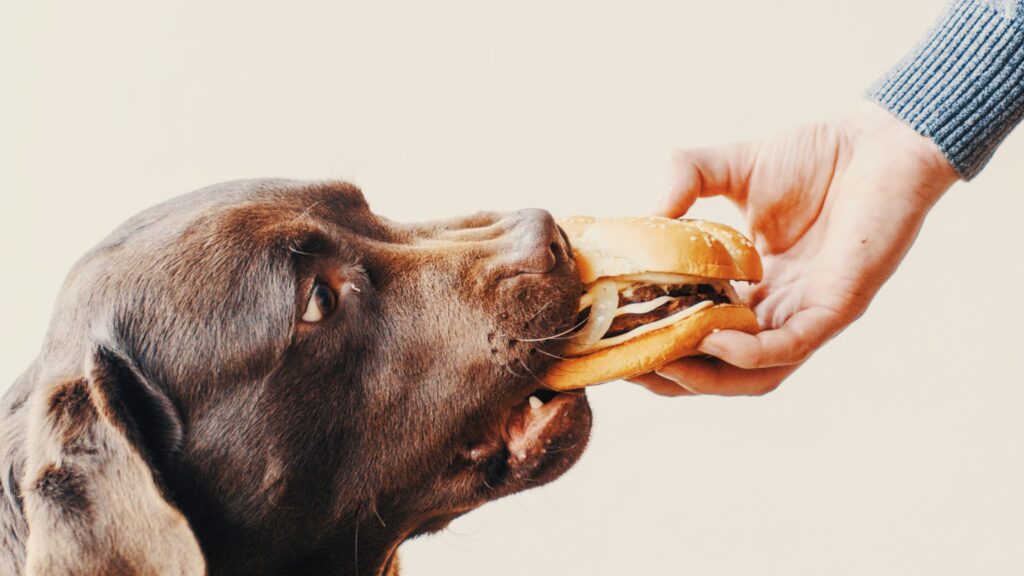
(648, 351)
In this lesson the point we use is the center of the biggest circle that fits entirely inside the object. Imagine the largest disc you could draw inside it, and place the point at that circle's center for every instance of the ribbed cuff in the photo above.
(963, 85)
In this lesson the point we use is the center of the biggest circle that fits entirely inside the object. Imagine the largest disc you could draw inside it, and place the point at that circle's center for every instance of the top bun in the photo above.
(618, 246)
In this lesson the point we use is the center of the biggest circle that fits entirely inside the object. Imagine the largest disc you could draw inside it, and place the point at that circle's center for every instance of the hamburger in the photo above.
(653, 288)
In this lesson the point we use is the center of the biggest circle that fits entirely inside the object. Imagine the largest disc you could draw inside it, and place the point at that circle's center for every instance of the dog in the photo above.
(265, 377)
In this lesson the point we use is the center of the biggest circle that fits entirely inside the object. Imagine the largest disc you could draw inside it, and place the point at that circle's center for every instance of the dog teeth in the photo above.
(536, 403)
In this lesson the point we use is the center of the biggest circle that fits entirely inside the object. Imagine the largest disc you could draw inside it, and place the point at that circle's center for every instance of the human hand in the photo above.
(832, 208)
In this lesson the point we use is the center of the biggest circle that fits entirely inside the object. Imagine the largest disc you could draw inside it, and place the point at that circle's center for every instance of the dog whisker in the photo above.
(449, 532)
(555, 356)
(530, 372)
(295, 250)
(556, 449)
(558, 336)
(306, 212)
(356, 551)
(511, 371)
(547, 496)
(525, 509)
(377, 514)
(538, 312)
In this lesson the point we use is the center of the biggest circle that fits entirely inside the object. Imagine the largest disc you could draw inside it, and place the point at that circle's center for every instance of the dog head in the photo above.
(270, 366)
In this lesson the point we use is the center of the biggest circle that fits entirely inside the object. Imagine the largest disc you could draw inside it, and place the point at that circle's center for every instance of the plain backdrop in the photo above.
(897, 449)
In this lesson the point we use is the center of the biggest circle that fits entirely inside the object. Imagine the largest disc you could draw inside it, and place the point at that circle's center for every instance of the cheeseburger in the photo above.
(653, 288)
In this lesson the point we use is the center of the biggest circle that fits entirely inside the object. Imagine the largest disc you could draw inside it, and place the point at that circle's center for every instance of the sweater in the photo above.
(963, 84)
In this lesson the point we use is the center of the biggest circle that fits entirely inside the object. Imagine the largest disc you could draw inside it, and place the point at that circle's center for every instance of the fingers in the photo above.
(701, 172)
(660, 386)
(709, 376)
(792, 343)
(752, 365)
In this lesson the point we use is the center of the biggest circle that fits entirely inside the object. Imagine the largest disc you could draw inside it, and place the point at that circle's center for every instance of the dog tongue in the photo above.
(526, 430)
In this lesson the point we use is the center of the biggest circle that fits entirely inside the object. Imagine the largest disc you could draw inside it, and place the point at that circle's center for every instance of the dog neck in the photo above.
(357, 543)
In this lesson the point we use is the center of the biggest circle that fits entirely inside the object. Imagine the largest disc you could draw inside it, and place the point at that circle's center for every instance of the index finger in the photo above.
(702, 172)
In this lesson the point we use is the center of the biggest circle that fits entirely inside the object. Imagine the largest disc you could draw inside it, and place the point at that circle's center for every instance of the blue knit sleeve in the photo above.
(963, 85)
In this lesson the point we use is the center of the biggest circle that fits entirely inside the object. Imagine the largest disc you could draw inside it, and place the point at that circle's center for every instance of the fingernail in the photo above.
(710, 350)
(676, 381)
(665, 375)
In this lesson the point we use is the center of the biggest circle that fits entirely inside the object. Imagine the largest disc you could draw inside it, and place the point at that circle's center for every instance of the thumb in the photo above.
(702, 172)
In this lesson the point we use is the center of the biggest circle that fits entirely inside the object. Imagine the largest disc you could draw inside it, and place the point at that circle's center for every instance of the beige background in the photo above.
(899, 449)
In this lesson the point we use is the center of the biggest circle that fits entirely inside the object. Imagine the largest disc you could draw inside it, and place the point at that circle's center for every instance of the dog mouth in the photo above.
(536, 440)
(536, 423)
(535, 434)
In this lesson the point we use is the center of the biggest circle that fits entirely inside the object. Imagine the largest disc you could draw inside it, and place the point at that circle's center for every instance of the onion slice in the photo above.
(585, 301)
(641, 330)
(605, 300)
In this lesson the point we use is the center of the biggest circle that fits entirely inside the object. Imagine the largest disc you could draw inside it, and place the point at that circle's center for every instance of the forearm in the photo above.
(963, 85)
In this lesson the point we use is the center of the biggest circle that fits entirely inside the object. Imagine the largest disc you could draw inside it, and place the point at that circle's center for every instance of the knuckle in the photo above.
(802, 352)
(750, 362)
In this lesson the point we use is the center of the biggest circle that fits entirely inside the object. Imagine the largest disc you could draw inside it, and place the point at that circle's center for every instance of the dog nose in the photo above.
(537, 243)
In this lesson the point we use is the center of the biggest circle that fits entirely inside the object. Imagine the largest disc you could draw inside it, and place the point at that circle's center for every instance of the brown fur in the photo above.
(182, 419)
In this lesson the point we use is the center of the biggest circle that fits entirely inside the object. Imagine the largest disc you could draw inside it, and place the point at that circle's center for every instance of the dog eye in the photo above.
(321, 303)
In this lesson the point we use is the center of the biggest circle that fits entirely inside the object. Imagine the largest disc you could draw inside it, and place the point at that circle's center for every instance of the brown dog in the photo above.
(263, 377)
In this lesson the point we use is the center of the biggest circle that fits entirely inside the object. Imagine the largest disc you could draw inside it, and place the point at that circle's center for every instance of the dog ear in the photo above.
(93, 500)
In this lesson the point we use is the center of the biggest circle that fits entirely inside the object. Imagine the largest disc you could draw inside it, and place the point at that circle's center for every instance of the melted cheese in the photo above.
(643, 307)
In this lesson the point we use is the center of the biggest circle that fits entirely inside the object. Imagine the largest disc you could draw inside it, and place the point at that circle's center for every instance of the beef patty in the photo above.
(685, 295)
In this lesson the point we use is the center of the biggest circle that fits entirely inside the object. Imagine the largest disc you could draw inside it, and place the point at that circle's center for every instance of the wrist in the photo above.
(873, 129)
